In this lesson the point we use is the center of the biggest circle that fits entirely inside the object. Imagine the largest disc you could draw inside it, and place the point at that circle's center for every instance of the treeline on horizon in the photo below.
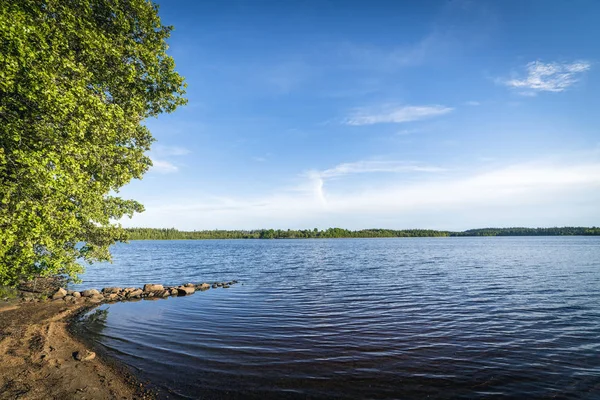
(174, 234)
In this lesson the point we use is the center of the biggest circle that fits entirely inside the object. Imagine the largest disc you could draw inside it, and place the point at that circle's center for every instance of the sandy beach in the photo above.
(40, 358)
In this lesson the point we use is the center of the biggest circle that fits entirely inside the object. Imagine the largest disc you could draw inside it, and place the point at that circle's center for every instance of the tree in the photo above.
(77, 80)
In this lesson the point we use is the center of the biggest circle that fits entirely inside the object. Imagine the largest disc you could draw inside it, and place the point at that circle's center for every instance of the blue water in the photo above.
(441, 318)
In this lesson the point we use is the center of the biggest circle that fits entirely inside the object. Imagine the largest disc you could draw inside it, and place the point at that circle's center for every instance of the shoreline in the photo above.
(37, 353)
(42, 356)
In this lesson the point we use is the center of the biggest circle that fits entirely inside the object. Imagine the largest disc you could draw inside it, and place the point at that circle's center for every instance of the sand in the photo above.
(37, 358)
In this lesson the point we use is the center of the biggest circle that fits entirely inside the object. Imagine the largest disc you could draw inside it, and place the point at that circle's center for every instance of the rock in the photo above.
(174, 292)
(89, 292)
(162, 293)
(225, 286)
(69, 299)
(135, 293)
(76, 294)
(204, 286)
(70, 292)
(150, 287)
(111, 297)
(220, 284)
(84, 356)
(110, 290)
(60, 293)
(151, 294)
(185, 290)
(93, 300)
(189, 285)
(214, 286)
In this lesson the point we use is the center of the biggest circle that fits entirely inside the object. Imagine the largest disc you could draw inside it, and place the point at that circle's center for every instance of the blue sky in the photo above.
(431, 114)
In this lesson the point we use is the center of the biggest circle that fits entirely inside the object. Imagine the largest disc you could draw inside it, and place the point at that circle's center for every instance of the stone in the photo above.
(69, 299)
(135, 293)
(60, 293)
(220, 284)
(93, 300)
(84, 356)
(110, 290)
(89, 293)
(214, 286)
(70, 292)
(189, 285)
(185, 290)
(204, 286)
(76, 294)
(111, 297)
(150, 287)
(174, 292)
(225, 286)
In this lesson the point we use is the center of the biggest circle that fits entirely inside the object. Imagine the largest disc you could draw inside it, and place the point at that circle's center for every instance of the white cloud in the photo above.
(163, 167)
(395, 114)
(472, 103)
(548, 77)
(361, 167)
(259, 159)
(542, 193)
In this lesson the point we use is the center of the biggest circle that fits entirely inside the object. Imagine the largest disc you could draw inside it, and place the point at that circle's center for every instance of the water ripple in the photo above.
(392, 318)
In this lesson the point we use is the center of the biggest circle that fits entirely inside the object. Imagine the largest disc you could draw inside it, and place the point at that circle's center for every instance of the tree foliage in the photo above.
(77, 80)
(171, 233)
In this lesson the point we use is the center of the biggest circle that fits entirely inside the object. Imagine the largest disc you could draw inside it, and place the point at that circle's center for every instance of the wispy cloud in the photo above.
(538, 193)
(395, 114)
(548, 77)
(472, 103)
(362, 167)
(163, 167)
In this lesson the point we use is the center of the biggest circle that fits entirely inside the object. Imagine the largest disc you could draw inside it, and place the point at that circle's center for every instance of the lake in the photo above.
(440, 318)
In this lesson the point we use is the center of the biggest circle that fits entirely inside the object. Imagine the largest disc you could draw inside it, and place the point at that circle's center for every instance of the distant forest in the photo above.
(171, 233)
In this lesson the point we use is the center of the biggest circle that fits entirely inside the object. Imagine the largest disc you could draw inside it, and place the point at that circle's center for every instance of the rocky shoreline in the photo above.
(115, 294)
(40, 358)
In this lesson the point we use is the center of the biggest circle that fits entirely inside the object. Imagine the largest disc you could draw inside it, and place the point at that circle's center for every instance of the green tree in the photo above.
(77, 80)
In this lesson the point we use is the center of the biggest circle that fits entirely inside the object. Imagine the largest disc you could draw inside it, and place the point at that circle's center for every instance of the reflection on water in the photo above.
(361, 318)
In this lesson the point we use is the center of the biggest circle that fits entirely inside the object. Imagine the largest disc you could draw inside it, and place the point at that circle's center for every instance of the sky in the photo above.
(378, 114)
